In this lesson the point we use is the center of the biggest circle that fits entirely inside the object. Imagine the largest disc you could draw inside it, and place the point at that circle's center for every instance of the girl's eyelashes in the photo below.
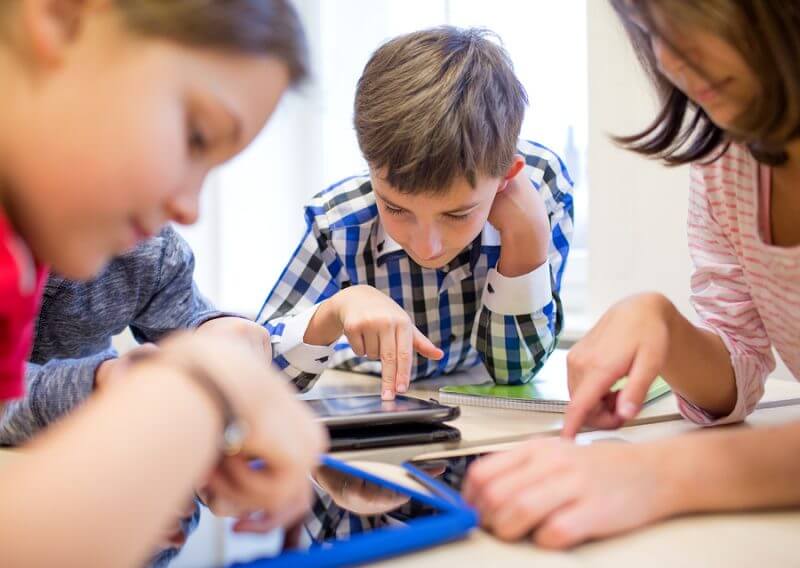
(196, 139)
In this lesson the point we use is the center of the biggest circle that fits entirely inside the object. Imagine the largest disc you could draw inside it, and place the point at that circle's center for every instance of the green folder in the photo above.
(548, 392)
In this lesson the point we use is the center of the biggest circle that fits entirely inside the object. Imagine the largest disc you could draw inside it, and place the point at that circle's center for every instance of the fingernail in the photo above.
(402, 388)
(627, 410)
(387, 394)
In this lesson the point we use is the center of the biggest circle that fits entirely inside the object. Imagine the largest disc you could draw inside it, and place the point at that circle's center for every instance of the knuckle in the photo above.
(506, 532)
(576, 360)
(561, 533)
(493, 496)
(476, 477)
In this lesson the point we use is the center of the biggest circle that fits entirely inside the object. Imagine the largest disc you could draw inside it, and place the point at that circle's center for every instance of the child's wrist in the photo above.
(225, 405)
(518, 255)
(325, 325)
(676, 483)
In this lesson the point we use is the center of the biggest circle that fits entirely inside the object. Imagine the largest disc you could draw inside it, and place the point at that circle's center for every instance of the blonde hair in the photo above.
(255, 26)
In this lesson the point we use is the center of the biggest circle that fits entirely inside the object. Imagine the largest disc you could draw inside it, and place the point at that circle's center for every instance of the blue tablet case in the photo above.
(455, 519)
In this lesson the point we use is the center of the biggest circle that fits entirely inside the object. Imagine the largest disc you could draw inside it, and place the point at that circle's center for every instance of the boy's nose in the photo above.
(428, 245)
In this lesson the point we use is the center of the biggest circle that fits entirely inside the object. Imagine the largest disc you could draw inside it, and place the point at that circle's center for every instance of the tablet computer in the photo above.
(353, 411)
(450, 470)
(388, 435)
(362, 516)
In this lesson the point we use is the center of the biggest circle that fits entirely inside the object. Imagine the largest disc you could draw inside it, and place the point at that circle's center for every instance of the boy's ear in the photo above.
(517, 163)
(52, 26)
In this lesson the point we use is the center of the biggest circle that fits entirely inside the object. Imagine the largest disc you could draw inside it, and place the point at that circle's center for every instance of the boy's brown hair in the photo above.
(766, 33)
(436, 105)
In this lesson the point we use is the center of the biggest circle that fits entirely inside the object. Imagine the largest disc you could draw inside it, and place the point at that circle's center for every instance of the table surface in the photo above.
(732, 540)
(481, 425)
(752, 539)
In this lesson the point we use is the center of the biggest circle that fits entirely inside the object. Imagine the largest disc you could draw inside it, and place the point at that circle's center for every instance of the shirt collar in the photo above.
(383, 244)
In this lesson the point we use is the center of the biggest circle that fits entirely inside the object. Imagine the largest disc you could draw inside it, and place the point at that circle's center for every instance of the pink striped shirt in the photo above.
(743, 288)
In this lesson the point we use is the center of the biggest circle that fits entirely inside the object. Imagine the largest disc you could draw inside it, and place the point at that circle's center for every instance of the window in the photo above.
(252, 219)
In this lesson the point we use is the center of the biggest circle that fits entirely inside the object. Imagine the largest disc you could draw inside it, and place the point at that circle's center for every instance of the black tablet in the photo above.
(355, 411)
(388, 435)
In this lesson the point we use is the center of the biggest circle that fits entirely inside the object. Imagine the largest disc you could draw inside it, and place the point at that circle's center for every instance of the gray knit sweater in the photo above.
(150, 289)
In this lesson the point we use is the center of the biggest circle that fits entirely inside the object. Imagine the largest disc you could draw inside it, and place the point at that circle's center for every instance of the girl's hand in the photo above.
(111, 370)
(631, 340)
(562, 494)
(281, 430)
(174, 534)
(255, 335)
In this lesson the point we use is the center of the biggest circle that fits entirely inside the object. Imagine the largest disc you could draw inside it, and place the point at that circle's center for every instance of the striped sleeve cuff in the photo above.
(518, 295)
(749, 376)
(302, 356)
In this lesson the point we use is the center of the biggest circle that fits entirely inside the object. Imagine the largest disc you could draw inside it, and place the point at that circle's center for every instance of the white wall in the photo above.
(637, 220)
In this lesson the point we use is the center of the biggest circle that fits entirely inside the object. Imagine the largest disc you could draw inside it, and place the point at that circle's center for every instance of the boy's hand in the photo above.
(520, 216)
(631, 339)
(256, 336)
(377, 328)
(566, 494)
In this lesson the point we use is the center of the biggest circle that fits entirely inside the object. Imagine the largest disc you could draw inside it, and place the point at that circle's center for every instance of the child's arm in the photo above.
(104, 483)
(175, 302)
(309, 309)
(565, 494)
(52, 390)
(314, 274)
(717, 369)
(521, 313)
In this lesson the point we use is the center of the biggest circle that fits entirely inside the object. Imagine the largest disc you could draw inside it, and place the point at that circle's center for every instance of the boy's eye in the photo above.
(457, 217)
(394, 210)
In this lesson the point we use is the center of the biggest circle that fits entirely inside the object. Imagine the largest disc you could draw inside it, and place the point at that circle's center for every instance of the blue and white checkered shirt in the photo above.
(468, 309)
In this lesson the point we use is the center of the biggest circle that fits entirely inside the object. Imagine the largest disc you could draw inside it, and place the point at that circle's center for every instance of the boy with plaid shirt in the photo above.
(451, 250)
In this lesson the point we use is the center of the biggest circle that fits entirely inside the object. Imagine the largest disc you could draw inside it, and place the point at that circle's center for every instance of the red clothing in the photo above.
(21, 284)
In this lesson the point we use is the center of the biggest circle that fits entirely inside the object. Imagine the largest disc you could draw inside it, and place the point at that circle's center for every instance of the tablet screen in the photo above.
(345, 505)
(451, 470)
(364, 512)
(359, 405)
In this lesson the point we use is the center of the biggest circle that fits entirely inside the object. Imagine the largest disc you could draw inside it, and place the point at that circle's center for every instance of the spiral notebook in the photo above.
(548, 392)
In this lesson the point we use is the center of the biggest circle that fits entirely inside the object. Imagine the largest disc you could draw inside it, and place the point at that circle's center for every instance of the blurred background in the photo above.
(252, 214)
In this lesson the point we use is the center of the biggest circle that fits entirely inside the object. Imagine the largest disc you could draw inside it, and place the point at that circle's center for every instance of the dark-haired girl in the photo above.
(728, 74)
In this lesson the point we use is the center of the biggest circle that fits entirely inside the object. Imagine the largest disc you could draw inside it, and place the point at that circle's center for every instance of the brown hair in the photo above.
(766, 33)
(438, 104)
(254, 26)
